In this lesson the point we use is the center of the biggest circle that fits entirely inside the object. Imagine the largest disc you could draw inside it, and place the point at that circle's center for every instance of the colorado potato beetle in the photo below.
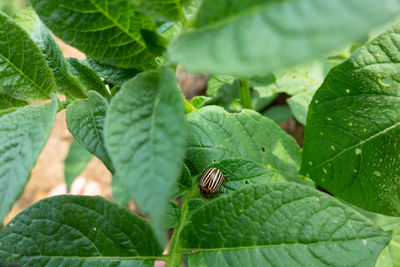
(210, 182)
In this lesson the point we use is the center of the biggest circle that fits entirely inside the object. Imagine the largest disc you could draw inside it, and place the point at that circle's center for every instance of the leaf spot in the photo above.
(94, 229)
(377, 173)
(310, 163)
(357, 151)
(263, 149)
(332, 147)
(321, 133)
(329, 119)
(348, 91)
(246, 181)
(350, 124)
(316, 101)
(364, 242)
(325, 171)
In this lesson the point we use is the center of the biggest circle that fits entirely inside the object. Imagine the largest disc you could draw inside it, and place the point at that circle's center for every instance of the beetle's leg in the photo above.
(226, 176)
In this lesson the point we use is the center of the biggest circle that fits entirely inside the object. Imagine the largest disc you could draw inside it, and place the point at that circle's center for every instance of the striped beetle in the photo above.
(210, 182)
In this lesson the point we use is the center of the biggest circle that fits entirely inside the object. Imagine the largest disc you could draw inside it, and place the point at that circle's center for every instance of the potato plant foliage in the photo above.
(335, 201)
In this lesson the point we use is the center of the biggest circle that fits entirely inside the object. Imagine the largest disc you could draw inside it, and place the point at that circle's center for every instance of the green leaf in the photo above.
(261, 97)
(161, 9)
(85, 121)
(199, 101)
(228, 96)
(144, 135)
(88, 77)
(41, 35)
(75, 162)
(215, 82)
(24, 73)
(278, 113)
(8, 103)
(247, 38)
(114, 32)
(120, 193)
(23, 134)
(12, 7)
(390, 256)
(243, 172)
(353, 128)
(170, 30)
(77, 231)
(282, 224)
(214, 135)
(111, 74)
(173, 215)
(299, 105)
(301, 78)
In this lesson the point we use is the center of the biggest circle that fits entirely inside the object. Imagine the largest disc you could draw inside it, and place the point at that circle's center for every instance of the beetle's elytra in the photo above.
(210, 182)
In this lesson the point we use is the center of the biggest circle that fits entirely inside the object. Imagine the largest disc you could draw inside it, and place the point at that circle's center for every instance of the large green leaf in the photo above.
(111, 74)
(144, 135)
(247, 38)
(284, 224)
(75, 162)
(8, 103)
(85, 121)
(112, 31)
(300, 78)
(24, 73)
(242, 172)
(214, 135)
(77, 231)
(351, 142)
(88, 77)
(390, 256)
(41, 35)
(162, 9)
(23, 133)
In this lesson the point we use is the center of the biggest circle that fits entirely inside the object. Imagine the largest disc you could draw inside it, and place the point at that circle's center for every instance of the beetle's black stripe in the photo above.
(216, 181)
(206, 177)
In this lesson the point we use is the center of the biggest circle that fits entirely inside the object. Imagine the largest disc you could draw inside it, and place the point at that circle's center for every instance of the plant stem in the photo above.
(245, 95)
(175, 256)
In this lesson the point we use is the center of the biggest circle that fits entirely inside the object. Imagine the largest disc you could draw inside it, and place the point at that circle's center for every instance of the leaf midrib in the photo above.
(280, 245)
(99, 257)
(105, 14)
(23, 74)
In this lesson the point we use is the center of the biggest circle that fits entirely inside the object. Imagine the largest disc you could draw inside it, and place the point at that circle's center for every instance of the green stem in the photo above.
(188, 107)
(63, 104)
(245, 94)
(175, 256)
